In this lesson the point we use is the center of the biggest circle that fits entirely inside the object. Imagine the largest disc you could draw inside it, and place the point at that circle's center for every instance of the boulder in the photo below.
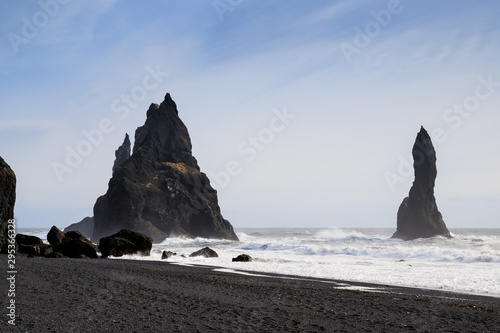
(26, 245)
(418, 215)
(159, 190)
(205, 252)
(45, 250)
(7, 201)
(55, 236)
(85, 226)
(28, 240)
(71, 244)
(167, 254)
(125, 242)
(55, 255)
(26, 249)
(243, 257)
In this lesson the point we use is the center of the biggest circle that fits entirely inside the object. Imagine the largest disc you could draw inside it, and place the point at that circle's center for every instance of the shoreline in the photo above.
(363, 285)
(88, 295)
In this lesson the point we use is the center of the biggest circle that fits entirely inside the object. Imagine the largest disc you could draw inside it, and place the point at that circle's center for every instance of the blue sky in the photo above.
(302, 113)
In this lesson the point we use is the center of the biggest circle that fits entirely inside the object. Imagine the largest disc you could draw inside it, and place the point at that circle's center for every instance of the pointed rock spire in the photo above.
(418, 215)
(159, 191)
(122, 153)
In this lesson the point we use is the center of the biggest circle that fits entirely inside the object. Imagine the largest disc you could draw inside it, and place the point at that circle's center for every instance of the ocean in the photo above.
(468, 263)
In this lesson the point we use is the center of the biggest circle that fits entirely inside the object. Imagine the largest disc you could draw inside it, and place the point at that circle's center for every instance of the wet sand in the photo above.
(96, 295)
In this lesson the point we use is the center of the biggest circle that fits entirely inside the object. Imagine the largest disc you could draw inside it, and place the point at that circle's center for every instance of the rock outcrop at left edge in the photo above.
(159, 190)
(7, 201)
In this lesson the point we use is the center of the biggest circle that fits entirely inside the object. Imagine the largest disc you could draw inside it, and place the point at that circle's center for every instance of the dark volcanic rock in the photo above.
(418, 215)
(243, 257)
(55, 236)
(205, 252)
(122, 153)
(55, 255)
(125, 242)
(159, 191)
(27, 244)
(7, 201)
(46, 250)
(31, 249)
(85, 226)
(28, 240)
(71, 244)
(167, 254)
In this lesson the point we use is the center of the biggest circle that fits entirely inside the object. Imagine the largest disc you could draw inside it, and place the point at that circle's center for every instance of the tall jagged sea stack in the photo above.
(159, 190)
(418, 215)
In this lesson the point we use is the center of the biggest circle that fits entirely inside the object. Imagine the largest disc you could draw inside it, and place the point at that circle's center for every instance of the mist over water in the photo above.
(470, 262)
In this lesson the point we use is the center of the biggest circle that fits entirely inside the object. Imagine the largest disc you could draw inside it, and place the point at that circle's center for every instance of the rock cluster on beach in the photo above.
(71, 244)
(418, 215)
(7, 201)
(159, 190)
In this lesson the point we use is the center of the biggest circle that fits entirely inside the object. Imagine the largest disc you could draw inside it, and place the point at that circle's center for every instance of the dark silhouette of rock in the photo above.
(418, 215)
(205, 252)
(71, 244)
(122, 153)
(7, 201)
(35, 249)
(45, 250)
(26, 249)
(55, 255)
(159, 190)
(243, 257)
(125, 242)
(168, 254)
(55, 236)
(85, 226)
(28, 240)
(27, 244)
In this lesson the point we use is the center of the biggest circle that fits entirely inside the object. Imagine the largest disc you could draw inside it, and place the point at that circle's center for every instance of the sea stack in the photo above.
(159, 190)
(7, 201)
(418, 215)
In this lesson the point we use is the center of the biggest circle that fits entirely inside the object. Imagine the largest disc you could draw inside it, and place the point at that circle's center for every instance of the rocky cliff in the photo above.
(418, 215)
(7, 201)
(159, 190)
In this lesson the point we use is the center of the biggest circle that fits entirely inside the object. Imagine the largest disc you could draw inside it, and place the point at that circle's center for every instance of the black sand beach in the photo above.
(99, 295)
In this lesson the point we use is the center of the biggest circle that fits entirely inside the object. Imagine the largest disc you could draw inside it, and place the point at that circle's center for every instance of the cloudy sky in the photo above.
(302, 113)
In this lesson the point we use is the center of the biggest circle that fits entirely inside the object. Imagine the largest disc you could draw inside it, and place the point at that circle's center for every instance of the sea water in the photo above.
(468, 263)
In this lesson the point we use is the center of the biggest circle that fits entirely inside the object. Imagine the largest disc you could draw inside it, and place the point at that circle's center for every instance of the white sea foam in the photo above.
(470, 262)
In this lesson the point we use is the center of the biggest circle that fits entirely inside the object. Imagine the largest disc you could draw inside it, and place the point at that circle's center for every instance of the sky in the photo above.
(301, 113)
